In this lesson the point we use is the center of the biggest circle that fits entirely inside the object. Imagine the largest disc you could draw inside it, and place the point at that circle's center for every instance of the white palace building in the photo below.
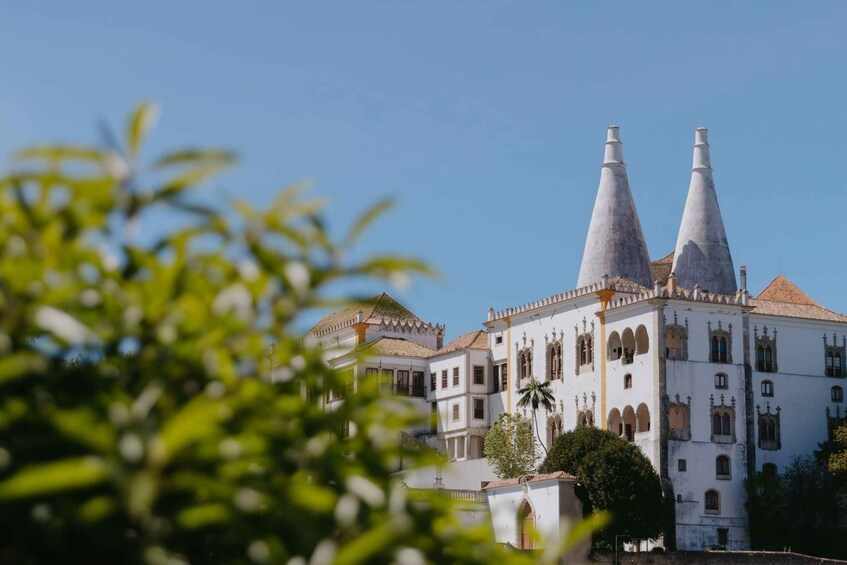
(711, 383)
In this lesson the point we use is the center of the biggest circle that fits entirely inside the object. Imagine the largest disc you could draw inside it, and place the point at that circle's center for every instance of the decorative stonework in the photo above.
(679, 419)
(769, 432)
(555, 360)
(555, 427)
(834, 356)
(584, 348)
(720, 343)
(585, 415)
(765, 350)
(676, 340)
(722, 418)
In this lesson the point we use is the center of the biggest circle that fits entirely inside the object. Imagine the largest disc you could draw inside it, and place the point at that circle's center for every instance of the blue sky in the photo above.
(485, 120)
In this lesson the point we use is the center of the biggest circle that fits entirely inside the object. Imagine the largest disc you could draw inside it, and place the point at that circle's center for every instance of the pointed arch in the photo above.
(526, 524)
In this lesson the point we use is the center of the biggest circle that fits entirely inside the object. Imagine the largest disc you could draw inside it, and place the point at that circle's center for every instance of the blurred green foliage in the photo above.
(136, 420)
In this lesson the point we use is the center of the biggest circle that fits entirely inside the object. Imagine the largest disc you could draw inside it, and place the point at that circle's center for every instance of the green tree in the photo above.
(536, 394)
(159, 443)
(510, 448)
(614, 476)
(837, 462)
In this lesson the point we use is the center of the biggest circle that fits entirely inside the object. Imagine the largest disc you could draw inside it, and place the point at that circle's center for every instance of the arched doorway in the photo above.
(526, 525)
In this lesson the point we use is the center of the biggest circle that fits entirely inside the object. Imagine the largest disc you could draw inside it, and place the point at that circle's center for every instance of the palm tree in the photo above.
(536, 394)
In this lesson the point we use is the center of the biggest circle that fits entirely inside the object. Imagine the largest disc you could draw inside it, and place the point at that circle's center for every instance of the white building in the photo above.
(674, 355)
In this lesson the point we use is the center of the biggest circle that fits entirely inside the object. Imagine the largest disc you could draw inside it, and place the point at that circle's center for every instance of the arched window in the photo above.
(628, 342)
(768, 359)
(554, 361)
(642, 418)
(722, 350)
(629, 423)
(726, 424)
(642, 340)
(615, 347)
(834, 359)
(525, 363)
(678, 420)
(615, 423)
(716, 424)
(676, 341)
(722, 467)
(767, 388)
(713, 502)
(715, 355)
(837, 394)
(526, 525)
(627, 381)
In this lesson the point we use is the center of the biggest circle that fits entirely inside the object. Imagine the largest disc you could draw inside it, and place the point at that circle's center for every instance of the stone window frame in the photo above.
(712, 507)
(555, 428)
(764, 418)
(719, 334)
(680, 331)
(718, 464)
(683, 434)
(833, 352)
(721, 381)
(723, 410)
(767, 388)
(553, 345)
(764, 342)
(524, 359)
(584, 337)
(836, 394)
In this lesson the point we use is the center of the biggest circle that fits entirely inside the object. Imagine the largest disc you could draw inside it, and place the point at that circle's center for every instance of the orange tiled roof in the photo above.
(374, 310)
(783, 290)
(662, 268)
(529, 479)
(397, 346)
(782, 298)
(472, 340)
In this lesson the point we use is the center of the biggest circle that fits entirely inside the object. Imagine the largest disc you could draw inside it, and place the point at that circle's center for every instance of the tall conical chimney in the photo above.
(702, 251)
(615, 243)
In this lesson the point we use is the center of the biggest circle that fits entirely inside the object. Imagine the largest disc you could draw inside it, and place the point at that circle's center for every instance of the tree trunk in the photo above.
(537, 433)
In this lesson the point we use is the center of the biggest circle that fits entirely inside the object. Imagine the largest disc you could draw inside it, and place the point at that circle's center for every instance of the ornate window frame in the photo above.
(585, 415)
(555, 356)
(717, 336)
(764, 419)
(677, 330)
(678, 434)
(834, 351)
(722, 410)
(584, 347)
(765, 350)
(555, 428)
(524, 360)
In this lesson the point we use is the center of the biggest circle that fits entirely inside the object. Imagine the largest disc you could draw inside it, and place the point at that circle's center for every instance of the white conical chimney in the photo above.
(615, 243)
(702, 252)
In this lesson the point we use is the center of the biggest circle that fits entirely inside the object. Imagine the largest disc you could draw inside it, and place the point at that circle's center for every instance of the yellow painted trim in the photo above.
(605, 297)
(508, 321)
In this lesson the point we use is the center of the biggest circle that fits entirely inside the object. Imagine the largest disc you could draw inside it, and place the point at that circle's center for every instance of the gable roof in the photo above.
(472, 340)
(783, 290)
(783, 298)
(374, 310)
(397, 346)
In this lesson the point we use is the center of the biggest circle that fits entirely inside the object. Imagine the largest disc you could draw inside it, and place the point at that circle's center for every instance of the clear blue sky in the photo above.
(486, 120)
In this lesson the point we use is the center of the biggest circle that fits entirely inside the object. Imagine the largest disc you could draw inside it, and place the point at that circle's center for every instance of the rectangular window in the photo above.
(478, 375)
(371, 372)
(432, 380)
(498, 339)
(627, 381)
(418, 384)
(682, 465)
(721, 381)
(444, 378)
(496, 376)
(455, 412)
(504, 376)
(479, 409)
(386, 380)
(402, 382)
(455, 376)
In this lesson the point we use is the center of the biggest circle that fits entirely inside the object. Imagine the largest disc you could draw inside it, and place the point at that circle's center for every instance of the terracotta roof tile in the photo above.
(397, 346)
(789, 310)
(529, 478)
(375, 309)
(472, 340)
(662, 268)
(783, 290)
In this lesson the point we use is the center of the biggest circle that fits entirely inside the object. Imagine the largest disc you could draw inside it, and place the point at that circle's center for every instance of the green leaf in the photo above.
(58, 476)
(195, 420)
(203, 515)
(364, 221)
(83, 426)
(142, 119)
(195, 157)
(62, 152)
